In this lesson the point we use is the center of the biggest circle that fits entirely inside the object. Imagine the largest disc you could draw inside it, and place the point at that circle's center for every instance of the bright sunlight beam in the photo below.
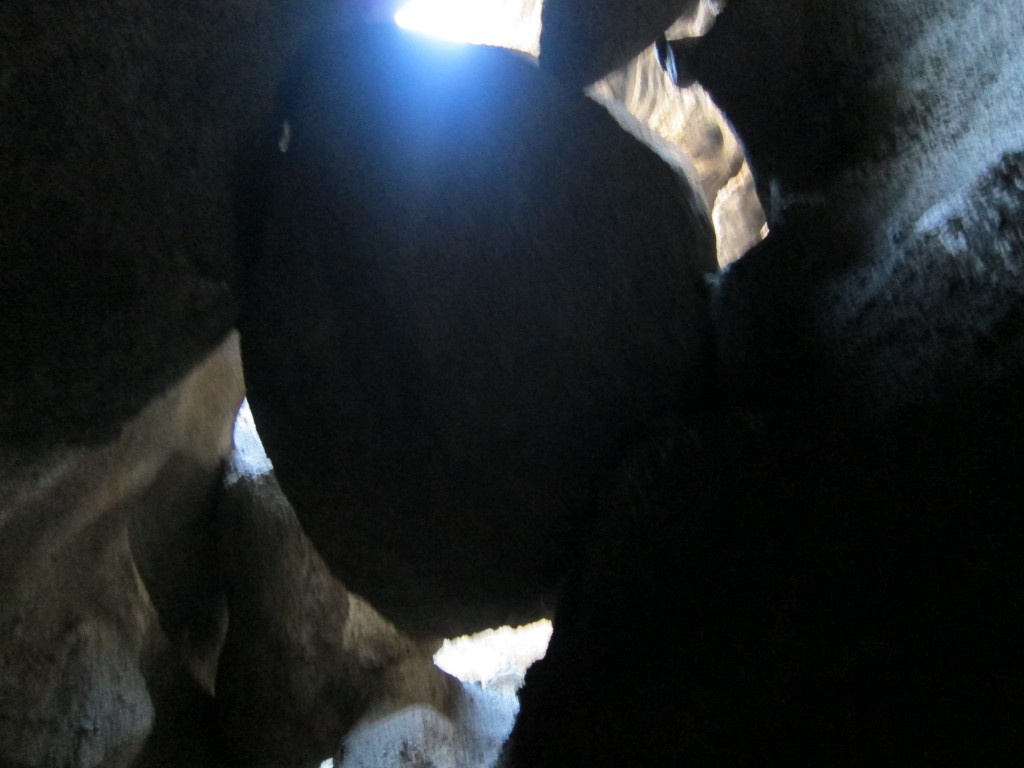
(507, 23)
(463, 21)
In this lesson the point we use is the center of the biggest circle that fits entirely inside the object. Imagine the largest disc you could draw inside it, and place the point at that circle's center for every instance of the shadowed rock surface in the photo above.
(122, 124)
(882, 107)
(122, 127)
(783, 590)
(821, 571)
(932, 323)
(892, 190)
(819, 566)
(472, 287)
(303, 659)
(582, 41)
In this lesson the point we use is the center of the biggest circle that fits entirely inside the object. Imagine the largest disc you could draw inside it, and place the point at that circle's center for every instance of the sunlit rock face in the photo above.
(688, 119)
(472, 287)
(738, 217)
(684, 116)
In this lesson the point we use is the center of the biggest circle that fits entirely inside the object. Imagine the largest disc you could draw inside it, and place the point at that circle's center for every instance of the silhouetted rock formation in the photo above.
(582, 41)
(822, 569)
(473, 287)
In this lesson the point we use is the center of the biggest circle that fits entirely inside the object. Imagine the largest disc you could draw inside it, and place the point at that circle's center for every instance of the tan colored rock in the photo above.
(304, 659)
(77, 625)
(689, 120)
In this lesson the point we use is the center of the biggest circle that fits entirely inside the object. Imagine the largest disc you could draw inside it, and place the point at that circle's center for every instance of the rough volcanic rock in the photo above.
(688, 119)
(472, 286)
(121, 126)
(79, 635)
(781, 589)
(886, 153)
(840, 566)
(582, 41)
(873, 111)
(931, 325)
(303, 658)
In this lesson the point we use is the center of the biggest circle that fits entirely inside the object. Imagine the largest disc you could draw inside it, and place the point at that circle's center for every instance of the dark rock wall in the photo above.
(815, 573)
(582, 41)
(121, 125)
(123, 129)
(821, 569)
(936, 319)
(888, 106)
(787, 590)
(473, 286)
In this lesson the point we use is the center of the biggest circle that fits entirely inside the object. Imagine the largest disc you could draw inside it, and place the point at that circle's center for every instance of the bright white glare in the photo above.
(249, 458)
(463, 21)
(495, 657)
(507, 23)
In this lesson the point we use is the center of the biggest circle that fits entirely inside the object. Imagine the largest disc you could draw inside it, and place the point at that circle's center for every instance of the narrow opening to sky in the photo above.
(506, 23)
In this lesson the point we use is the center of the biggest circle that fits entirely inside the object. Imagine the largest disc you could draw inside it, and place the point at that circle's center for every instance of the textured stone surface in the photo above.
(473, 286)
(122, 126)
(844, 565)
(880, 107)
(738, 217)
(78, 629)
(892, 190)
(122, 130)
(469, 735)
(935, 322)
(688, 119)
(303, 658)
(836, 542)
